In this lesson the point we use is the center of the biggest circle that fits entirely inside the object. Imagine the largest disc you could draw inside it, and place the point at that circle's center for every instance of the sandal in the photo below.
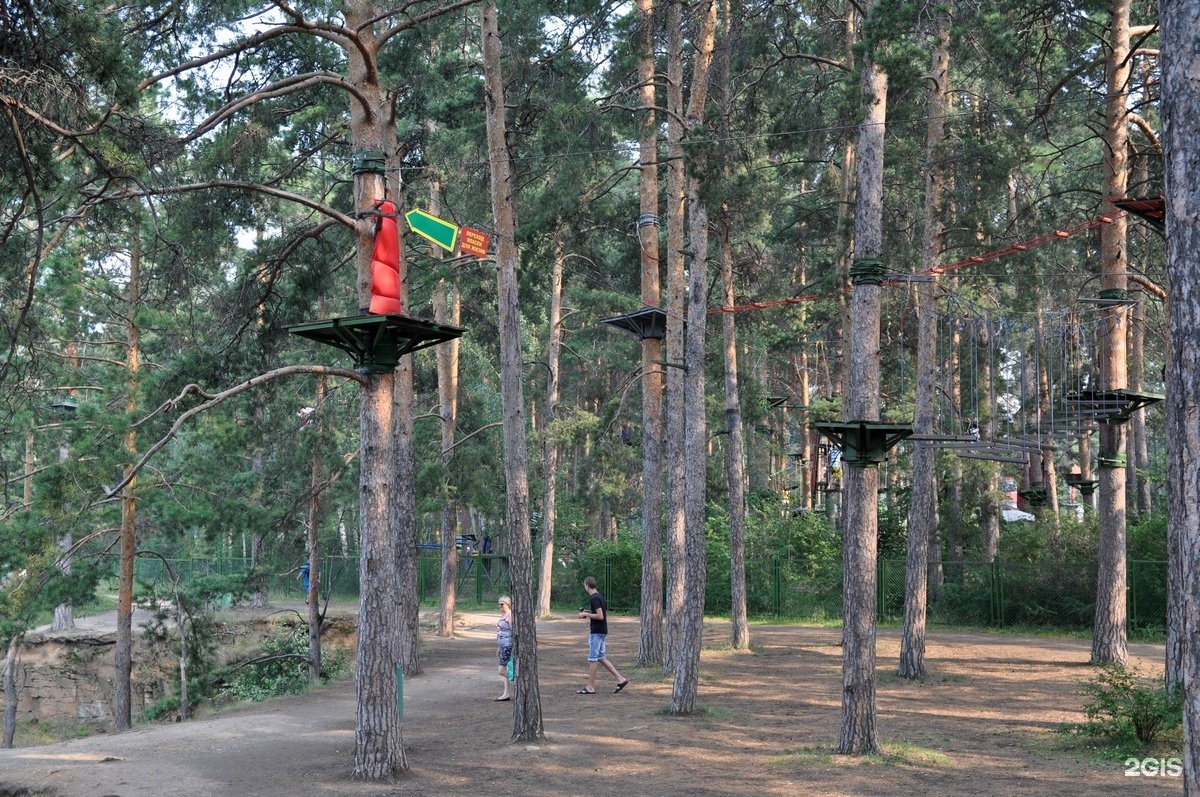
(621, 686)
(585, 692)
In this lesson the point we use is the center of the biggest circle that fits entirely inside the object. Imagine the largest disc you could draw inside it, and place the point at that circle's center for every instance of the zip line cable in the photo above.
(995, 254)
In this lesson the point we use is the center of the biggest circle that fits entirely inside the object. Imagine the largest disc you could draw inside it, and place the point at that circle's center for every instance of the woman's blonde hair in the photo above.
(505, 599)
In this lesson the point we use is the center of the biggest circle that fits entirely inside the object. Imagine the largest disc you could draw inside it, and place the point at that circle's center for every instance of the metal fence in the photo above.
(1001, 594)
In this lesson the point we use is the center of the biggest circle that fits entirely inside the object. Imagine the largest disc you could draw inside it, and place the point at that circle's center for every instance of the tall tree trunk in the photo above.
(735, 467)
(312, 599)
(1138, 479)
(123, 651)
(956, 535)
(650, 639)
(691, 622)
(446, 310)
(844, 231)
(9, 678)
(1181, 117)
(379, 745)
(989, 507)
(527, 707)
(64, 613)
(258, 590)
(404, 492)
(1109, 642)
(181, 625)
(923, 509)
(550, 446)
(858, 735)
(735, 473)
(675, 310)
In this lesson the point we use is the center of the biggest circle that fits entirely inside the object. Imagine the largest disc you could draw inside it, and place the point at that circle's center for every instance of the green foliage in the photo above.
(825, 410)
(617, 566)
(191, 606)
(281, 668)
(1126, 709)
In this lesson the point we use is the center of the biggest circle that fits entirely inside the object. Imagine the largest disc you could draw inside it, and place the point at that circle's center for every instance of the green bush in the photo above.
(1127, 709)
(282, 668)
(617, 567)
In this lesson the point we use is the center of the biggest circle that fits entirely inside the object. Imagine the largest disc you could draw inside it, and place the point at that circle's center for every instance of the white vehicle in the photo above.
(1010, 514)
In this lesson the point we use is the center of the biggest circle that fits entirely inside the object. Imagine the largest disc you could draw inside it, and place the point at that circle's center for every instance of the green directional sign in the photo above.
(433, 229)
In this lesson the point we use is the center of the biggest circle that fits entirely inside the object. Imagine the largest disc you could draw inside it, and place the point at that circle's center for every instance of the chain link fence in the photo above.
(1058, 595)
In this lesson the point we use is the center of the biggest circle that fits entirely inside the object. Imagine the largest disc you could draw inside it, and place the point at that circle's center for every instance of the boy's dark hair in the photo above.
(589, 582)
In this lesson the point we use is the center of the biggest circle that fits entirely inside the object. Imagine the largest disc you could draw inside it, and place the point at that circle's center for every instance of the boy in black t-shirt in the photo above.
(597, 615)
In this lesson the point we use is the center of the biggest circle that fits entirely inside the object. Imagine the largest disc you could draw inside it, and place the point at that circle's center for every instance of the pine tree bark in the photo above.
(1138, 480)
(858, 733)
(314, 524)
(379, 748)
(675, 310)
(527, 707)
(735, 454)
(404, 523)
(650, 637)
(550, 446)
(9, 679)
(691, 621)
(404, 493)
(989, 507)
(923, 509)
(446, 310)
(123, 650)
(1109, 640)
(1181, 117)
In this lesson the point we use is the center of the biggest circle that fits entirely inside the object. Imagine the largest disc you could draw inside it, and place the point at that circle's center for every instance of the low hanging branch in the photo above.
(213, 399)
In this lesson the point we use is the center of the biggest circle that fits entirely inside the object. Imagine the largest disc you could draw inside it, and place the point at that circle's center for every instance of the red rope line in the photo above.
(995, 254)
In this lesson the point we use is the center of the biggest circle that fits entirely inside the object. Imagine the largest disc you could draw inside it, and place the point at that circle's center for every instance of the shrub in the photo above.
(1125, 708)
(282, 668)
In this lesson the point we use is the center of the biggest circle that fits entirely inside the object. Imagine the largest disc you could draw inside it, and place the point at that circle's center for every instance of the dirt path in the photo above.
(981, 724)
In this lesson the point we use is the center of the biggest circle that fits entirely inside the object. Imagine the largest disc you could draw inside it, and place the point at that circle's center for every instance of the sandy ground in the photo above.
(982, 723)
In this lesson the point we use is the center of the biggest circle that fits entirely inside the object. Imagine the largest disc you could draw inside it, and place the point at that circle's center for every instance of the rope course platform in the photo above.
(649, 322)
(376, 342)
(1110, 406)
(1085, 486)
(864, 443)
(1151, 208)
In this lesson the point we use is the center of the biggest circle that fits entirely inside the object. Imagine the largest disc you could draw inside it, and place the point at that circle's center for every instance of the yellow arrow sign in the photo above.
(433, 229)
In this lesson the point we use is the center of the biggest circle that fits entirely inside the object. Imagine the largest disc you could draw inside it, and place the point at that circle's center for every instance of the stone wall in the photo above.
(66, 678)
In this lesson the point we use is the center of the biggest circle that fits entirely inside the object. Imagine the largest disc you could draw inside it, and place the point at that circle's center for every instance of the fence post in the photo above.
(777, 585)
(997, 593)
(1131, 597)
(880, 591)
(606, 577)
(478, 577)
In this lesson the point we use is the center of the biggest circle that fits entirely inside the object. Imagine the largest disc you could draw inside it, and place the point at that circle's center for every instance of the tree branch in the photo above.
(413, 22)
(212, 399)
(278, 193)
(281, 88)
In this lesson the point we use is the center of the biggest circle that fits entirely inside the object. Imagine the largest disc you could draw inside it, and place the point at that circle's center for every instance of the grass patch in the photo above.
(888, 676)
(905, 753)
(38, 732)
(711, 712)
(802, 757)
(894, 754)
